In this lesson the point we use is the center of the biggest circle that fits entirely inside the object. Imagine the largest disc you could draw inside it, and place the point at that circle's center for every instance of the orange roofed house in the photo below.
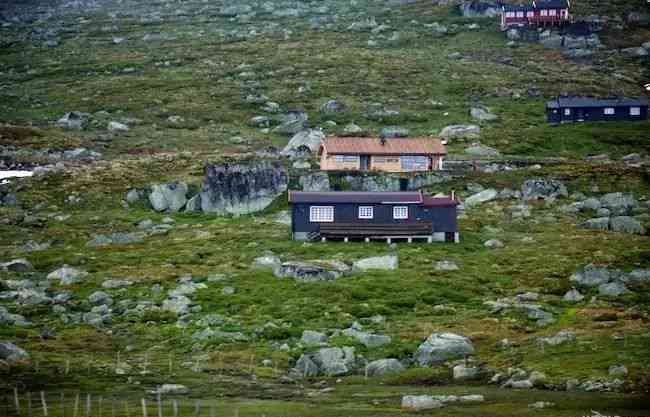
(379, 154)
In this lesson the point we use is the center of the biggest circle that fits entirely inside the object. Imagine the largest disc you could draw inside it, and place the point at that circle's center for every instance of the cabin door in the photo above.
(365, 162)
(580, 115)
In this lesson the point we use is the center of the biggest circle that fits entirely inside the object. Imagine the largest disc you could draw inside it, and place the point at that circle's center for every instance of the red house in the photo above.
(539, 13)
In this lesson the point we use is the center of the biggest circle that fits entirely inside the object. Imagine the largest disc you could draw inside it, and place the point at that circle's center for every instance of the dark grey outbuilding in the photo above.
(568, 109)
(372, 215)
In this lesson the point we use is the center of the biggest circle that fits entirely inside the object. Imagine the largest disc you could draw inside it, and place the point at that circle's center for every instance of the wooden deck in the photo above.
(406, 231)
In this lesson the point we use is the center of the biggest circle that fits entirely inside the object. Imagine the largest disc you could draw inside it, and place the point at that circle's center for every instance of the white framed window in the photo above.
(400, 212)
(552, 12)
(321, 214)
(346, 158)
(366, 212)
(544, 12)
(414, 163)
(510, 14)
(520, 14)
(635, 111)
(530, 14)
(567, 112)
(609, 111)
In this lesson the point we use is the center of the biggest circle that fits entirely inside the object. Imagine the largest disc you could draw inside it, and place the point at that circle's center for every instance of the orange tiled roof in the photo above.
(373, 146)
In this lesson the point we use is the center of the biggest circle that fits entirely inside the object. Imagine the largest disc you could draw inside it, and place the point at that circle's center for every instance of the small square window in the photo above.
(551, 12)
(366, 212)
(400, 212)
(321, 214)
(635, 111)
(520, 14)
(609, 111)
(544, 12)
(567, 112)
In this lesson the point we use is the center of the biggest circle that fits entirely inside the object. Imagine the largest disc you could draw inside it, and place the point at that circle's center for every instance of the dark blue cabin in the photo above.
(372, 215)
(569, 109)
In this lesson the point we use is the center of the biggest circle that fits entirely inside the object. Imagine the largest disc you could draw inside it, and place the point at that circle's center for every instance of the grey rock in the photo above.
(635, 51)
(318, 181)
(482, 151)
(598, 223)
(460, 132)
(209, 334)
(369, 340)
(67, 275)
(481, 197)
(73, 121)
(234, 10)
(384, 367)
(179, 305)
(482, 113)
(446, 265)
(618, 203)
(118, 238)
(603, 212)
(626, 224)
(493, 244)
(116, 283)
(311, 272)
(591, 276)
(292, 123)
(242, 188)
(99, 298)
(352, 129)
(591, 204)
(332, 107)
(305, 367)
(479, 9)
(311, 337)
(573, 296)
(462, 372)
(334, 361)
(541, 404)
(420, 403)
(440, 347)
(12, 353)
(170, 196)
(172, 389)
(193, 204)
(260, 121)
(386, 262)
(311, 138)
(612, 289)
(618, 371)
(16, 265)
(133, 196)
(117, 127)
(267, 261)
(542, 189)
(563, 336)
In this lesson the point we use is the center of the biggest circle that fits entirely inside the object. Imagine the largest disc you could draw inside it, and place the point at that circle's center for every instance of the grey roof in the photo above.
(332, 197)
(518, 8)
(551, 4)
(581, 101)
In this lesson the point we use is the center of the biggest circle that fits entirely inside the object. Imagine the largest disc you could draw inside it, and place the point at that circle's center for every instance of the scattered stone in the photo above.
(267, 261)
(73, 121)
(541, 404)
(311, 139)
(67, 275)
(384, 367)
(460, 132)
(626, 224)
(311, 272)
(493, 244)
(420, 403)
(170, 196)
(482, 151)
(117, 127)
(390, 132)
(573, 296)
(481, 197)
(483, 114)
(446, 265)
(563, 336)
(16, 265)
(292, 123)
(332, 107)
(172, 389)
(440, 347)
(618, 371)
(461, 372)
(386, 262)
(310, 337)
(12, 353)
(542, 189)
(612, 289)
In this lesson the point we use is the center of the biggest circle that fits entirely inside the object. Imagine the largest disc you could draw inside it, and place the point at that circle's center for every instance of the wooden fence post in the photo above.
(62, 399)
(16, 400)
(44, 403)
(99, 406)
(126, 408)
(113, 407)
(29, 404)
(197, 408)
(88, 405)
(144, 407)
(175, 407)
(75, 410)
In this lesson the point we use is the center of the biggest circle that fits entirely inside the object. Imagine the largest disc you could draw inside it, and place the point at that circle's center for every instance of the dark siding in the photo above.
(443, 218)
(588, 114)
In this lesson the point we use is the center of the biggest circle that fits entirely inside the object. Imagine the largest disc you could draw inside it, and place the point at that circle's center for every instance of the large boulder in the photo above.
(597, 223)
(311, 272)
(311, 337)
(11, 353)
(369, 340)
(481, 197)
(420, 403)
(170, 196)
(477, 8)
(383, 367)
(460, 132)
(242, 188)
(332, 107)
(334, 361)
(591, 276)
(310, 138)
(318, 181)
(482, 114)
(441, 347)
(542, 189)
(73, 120)
(626, 224)
(619, 204)
(386, 262)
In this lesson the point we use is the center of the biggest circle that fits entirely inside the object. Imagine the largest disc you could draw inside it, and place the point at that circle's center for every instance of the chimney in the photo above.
(382, 139)
(453, 194)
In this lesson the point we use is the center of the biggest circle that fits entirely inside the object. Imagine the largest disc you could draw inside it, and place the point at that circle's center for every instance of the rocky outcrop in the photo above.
(310, 139)
(170, 196)
(383, 367)
(332, 361)
(12, 353)
(543, 189)
(479, 9)
(311, 272)
(387, 262)
(460, 132)
(441, 347)
(242, 188)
